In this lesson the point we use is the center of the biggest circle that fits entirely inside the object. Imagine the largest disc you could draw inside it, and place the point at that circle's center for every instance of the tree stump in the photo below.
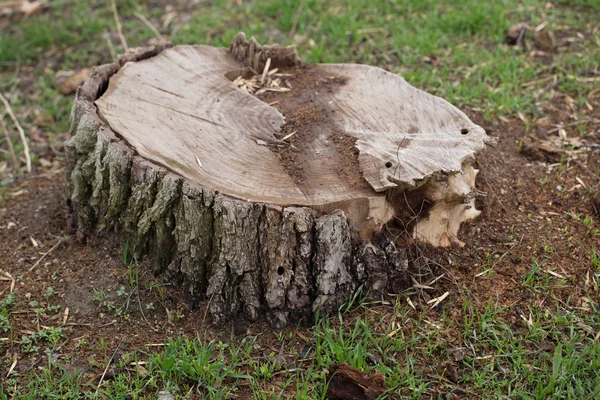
(261, 183)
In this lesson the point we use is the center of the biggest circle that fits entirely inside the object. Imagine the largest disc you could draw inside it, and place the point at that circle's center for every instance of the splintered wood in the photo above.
(268, 81)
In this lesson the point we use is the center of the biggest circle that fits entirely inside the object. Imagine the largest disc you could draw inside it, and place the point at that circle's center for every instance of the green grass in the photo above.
(476, 68)
(491, 357)
(497, 351)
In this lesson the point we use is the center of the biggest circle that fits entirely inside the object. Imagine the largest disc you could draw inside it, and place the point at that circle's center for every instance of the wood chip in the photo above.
(541, 26)
(265, 70)
(393, 333)
(13, 365)
(277, 89)
(286, 137)
(482, 273)
(9, 277)
(438, 300)
(556, 274)
(528, 321)
(261, 142)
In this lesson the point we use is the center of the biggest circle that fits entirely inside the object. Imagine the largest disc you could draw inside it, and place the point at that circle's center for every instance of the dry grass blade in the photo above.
(44, 255)
(438, 300)
(20, 129)
(106, 369)
(150, 26)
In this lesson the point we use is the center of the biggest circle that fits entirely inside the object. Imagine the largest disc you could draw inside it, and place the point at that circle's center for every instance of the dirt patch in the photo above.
(306, 109)
(300, 125)
(345, 146)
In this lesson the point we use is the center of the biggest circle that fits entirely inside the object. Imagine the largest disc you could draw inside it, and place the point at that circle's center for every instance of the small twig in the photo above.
(118, 23)
(10, 145)
(114, 321)
(143, 315)
(44, 255)
(296, 19)
(150, 26)
(77, 324)
(20, 129)
(584, 168)
(106, 369)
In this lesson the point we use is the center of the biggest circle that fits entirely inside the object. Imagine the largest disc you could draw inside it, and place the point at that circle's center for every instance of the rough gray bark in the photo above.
(282, 263)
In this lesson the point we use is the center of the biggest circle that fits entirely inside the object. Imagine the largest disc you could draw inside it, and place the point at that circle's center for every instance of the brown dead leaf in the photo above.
(545, 41)
(70, 85)
(349, 383)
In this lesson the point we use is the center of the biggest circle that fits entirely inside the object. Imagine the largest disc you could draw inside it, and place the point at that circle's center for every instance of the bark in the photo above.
(255, 259)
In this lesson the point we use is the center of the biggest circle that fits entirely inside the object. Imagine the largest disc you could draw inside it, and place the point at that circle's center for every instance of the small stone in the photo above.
(559, 188)
(165, 395)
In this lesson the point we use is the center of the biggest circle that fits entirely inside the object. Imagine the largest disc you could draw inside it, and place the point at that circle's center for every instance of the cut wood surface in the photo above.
(255, 179)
